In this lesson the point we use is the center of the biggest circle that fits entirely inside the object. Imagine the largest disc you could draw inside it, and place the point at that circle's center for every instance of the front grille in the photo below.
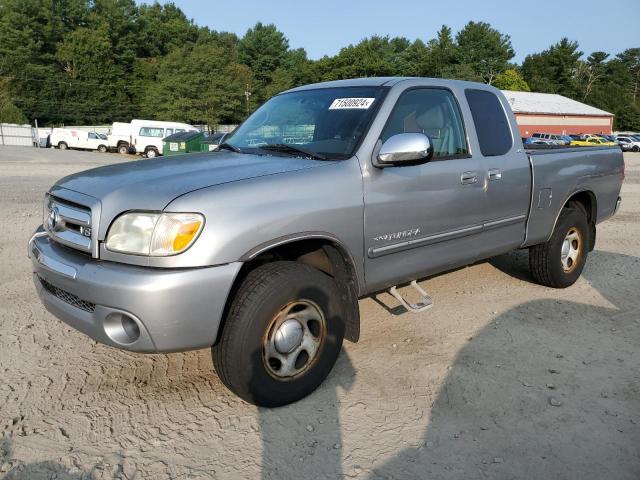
(67, 297)
(68, 223)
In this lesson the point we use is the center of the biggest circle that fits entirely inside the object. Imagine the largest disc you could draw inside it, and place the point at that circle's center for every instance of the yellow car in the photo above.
(592, 142)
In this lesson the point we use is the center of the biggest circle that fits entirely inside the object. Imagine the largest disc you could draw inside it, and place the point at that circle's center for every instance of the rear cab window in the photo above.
(490, 119)
(434, 112)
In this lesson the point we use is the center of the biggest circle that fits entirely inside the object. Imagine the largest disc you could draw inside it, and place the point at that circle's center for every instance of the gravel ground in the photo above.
(501, 379)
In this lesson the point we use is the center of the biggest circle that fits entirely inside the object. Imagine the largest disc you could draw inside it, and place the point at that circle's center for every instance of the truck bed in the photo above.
(559, 172)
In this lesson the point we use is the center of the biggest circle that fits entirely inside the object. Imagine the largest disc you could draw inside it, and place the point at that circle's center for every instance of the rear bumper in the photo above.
(172, 309)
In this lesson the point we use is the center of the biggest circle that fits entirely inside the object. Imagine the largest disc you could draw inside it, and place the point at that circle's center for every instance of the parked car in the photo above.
(602, 138)
(64, 138)
(552, 137)
(147, 135)
(608, 138)
(592, 141)
(538, 141)
(628, 143)
(261, 249)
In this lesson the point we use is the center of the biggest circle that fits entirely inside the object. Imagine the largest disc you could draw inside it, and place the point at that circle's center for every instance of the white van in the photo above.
(147, 135)
(64, 138)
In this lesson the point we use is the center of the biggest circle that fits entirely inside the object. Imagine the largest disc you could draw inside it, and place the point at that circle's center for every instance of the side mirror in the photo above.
(403, 149)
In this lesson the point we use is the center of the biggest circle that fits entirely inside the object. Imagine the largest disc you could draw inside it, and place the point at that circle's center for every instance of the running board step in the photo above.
(425, 304)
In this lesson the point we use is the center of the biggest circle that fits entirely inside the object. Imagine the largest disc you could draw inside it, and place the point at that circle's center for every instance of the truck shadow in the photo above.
(37, 470)
(549, 389)
(304, 439)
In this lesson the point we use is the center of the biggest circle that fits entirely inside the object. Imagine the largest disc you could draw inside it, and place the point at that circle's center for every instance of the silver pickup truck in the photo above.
(326, 194)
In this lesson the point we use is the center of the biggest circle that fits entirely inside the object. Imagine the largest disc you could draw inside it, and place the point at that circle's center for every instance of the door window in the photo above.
(168, 132)
(434, 112)
(151, 132)
(490, 119)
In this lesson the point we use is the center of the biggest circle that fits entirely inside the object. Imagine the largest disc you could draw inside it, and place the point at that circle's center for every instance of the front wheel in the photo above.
(62, 146)
(151, 153)
(282, 334)
(635, 149)
(559, 262)
(102, 149)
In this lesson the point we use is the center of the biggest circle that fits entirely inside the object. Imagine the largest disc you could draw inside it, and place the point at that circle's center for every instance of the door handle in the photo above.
(495, 174)
(468, 178)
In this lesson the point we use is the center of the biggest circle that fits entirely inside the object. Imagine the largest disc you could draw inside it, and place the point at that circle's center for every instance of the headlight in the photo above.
(154, 234)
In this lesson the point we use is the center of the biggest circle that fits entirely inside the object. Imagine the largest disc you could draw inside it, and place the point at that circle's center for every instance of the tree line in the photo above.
(99, 61)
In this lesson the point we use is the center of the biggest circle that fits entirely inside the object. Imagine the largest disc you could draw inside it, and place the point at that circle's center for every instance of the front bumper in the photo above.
(164, 310)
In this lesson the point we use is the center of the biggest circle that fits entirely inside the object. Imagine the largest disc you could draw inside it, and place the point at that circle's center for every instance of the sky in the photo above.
(323, 27)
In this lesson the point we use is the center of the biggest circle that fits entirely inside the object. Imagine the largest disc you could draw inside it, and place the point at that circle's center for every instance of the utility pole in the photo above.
(247, 94)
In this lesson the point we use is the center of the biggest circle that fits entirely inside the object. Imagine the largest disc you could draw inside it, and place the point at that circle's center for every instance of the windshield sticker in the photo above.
(348, 103)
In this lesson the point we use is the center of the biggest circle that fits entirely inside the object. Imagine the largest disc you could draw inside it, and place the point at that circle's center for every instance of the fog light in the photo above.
(121, 328)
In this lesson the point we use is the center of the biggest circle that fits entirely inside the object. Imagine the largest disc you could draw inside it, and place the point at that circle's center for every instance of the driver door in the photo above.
(426, 218)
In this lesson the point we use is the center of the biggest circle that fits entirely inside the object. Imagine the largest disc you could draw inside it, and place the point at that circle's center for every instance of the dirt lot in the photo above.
(502, 379)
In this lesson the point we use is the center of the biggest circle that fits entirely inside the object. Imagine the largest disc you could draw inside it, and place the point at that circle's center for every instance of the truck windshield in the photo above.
(326, 123)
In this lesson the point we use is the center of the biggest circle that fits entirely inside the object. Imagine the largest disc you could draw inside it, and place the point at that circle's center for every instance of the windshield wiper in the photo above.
(228, 146)
(293, 150)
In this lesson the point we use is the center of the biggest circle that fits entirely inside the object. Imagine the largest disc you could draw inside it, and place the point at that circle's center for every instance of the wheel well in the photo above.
(122, 142)
(586, 201)
(325, 255)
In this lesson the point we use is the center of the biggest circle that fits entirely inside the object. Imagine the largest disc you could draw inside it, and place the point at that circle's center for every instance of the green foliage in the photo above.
(9, 113)
(628, 118)
(485, 50)
(553, 70)
(263, 49)
(99, 61)
(511, 79)
(198, 83)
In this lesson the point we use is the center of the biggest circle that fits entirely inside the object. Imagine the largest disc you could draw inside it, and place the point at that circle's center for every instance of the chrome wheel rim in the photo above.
(571, 250)
(293, 339)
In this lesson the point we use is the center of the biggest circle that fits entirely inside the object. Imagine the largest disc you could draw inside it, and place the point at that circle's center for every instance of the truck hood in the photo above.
(153, 184)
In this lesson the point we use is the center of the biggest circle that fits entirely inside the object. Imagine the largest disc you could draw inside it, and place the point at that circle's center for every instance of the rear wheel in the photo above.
(282, 334)
(62, 146)
(559, 262)
(123, 149)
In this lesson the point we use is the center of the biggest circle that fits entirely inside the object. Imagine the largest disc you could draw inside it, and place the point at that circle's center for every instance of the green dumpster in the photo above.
(212, 141)
(183, 142)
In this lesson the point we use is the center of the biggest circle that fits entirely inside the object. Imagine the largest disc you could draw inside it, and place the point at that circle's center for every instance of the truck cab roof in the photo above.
(387, 82)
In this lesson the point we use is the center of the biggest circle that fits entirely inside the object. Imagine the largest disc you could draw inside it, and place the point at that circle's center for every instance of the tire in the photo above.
(635, 149)
(123, 149)
(242, 356)
(102, 148)
(151, 153)
(62, 146)
(546, 261)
